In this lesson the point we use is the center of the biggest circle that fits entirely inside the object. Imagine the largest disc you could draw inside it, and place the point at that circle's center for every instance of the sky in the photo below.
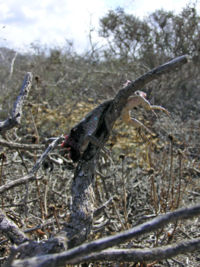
(52, 23)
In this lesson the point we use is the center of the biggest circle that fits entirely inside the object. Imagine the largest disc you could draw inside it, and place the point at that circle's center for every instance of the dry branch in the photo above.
(11, 230)
(143, 255)
(31, 176)
(82, 188)
(16, 114)
(83, 207)
(77, 254)
(120, 99)
(13, 145)
(17, 182)
(46, 152)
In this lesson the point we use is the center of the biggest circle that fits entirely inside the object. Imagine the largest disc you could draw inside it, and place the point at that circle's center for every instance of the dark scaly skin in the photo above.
(90, 126)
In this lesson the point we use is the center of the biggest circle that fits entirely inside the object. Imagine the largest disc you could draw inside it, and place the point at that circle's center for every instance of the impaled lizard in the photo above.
(87, 130)
(90, 128)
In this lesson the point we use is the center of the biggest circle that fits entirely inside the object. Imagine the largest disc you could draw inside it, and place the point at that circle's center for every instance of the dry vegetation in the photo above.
(143, 176)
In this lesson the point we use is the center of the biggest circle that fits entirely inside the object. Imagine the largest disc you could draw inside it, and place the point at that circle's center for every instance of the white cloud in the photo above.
(51, 22)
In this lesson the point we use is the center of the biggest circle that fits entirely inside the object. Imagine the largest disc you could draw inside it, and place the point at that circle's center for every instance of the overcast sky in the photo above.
(52, 22)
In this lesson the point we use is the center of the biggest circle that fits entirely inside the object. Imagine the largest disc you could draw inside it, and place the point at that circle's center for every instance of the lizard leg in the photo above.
(135, 101)
(139, 100)
(134, 122)
(152, 107)
(138, 125)
(146, 105)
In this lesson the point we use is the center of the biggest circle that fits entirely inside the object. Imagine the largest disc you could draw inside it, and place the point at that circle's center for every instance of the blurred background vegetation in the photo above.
(132, 46)
(67, 85)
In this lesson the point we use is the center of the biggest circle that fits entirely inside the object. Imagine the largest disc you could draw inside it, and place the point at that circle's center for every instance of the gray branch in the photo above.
(16, 115)
(31, 176)
(46, 152)
(28, 178)
(13, 145)
(77, 254)
(11, 230)
(143, 255)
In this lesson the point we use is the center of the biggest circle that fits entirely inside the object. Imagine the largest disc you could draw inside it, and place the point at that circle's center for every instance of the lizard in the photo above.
(139, 99)
(89, 128)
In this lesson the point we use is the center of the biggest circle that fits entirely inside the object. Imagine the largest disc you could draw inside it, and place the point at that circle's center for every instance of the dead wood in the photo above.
(16, 113)
(78, 254)
(143, 255)
(80, 222)
(11, 230)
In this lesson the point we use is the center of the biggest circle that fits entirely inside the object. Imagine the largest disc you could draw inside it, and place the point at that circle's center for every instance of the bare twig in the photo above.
(103, 207)
(143, 255)
(28, 147)
(31, 175)
(44, 155)
(17, 182)
(16, 114)
(77, 254)
(11, 230)
(12, 65)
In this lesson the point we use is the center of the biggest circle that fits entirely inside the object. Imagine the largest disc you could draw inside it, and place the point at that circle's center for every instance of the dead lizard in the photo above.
(90, 128)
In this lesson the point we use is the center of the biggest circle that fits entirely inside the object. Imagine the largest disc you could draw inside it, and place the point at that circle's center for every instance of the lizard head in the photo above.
(69, 147)
(141, 93)
(138, 92)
